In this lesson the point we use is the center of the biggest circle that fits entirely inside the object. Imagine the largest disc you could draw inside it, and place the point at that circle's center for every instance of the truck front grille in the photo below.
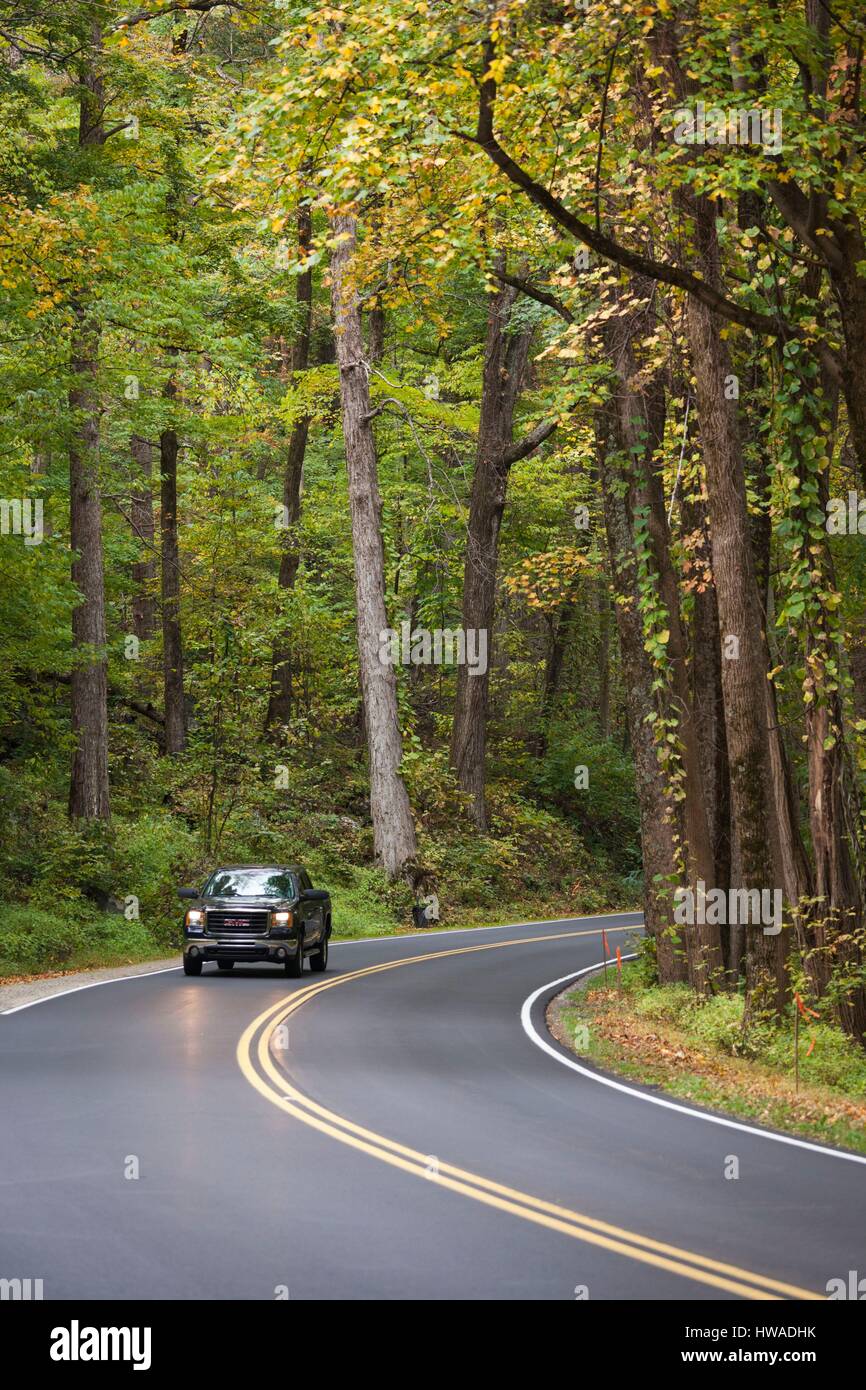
(237, 922)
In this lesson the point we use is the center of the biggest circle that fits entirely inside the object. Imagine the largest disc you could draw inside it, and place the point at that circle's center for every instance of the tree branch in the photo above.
(116, 129)
(528, 443)
(610, 250)
(533, 292)
(199, 6)
(795, 207)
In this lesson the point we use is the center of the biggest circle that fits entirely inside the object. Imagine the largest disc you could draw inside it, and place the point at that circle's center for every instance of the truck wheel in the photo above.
(226, 964)
(295, 964)
(319, 959)
(191, 965)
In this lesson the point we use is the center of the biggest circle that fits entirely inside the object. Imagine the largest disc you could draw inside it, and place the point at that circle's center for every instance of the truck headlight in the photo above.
(281, 919)
(194, 919)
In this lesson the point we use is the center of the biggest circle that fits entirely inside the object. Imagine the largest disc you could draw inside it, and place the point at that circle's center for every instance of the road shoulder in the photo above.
(14, 994)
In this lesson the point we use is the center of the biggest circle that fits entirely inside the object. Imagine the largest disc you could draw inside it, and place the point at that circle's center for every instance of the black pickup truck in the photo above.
(257, 912)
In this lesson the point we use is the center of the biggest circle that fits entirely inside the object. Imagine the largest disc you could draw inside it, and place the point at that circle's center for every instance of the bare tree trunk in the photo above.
(603, 601)
(505, 357)
(172, 647)
(89, 790)
(375, 335)
(559, 629)
(141, 516)
(796, 870)
(657, 813)
(708, 705)
(393, 828)
(280, 702)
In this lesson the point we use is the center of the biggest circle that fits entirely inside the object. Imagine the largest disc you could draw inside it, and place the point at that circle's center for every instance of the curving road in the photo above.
(386, 1130)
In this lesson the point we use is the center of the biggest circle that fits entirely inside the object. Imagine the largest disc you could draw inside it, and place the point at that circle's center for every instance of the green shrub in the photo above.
(33, 940)
(605, 811)
(717, 1023)
(150, 860)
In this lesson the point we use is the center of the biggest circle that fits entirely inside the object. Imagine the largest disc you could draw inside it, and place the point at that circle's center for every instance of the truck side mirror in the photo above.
(187, 892)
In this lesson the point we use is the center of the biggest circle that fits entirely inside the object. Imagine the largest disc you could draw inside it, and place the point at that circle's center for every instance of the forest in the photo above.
(431, 442)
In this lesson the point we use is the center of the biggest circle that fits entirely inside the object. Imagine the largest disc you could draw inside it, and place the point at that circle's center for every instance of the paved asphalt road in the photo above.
(410, 1141)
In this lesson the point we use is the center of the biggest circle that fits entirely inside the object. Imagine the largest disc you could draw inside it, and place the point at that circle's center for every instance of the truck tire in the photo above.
(319, 958)
(295, 963)
(191, 965)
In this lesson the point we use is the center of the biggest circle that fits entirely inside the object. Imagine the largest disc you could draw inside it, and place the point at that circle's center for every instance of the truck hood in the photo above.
(248, 904)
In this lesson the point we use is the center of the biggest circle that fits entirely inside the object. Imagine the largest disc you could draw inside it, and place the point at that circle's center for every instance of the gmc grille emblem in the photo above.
(236, 922)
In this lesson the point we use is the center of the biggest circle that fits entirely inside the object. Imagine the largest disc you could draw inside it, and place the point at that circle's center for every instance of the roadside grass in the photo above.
(698, 1051)
(36, 942)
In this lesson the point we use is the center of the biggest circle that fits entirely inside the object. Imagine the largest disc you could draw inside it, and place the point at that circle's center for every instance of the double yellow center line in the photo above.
(256, 1063)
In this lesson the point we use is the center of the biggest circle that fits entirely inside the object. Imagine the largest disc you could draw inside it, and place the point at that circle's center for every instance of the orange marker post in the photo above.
(805, 1011)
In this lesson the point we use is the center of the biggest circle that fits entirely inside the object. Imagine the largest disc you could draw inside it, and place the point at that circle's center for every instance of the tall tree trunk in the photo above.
(744, 668)
(280, 702)
(707, 702)
(835, 934)
(603, 601)
(796, 871)
(834, 928)
(172, 647)
(657, 812)
(559, 629)
(505, 356)
(642, 411)
(743, 664)
(709, 717)
(832, 922)
(141, 517)
(393, 828)
(89, 791)
(375, 335)
(850, 288)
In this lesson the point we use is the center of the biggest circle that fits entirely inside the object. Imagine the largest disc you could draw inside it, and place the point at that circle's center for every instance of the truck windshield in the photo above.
(250, 883)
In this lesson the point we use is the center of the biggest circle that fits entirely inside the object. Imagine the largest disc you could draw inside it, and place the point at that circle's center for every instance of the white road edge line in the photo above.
(535, 1037)
(358, 941)
(94, 984)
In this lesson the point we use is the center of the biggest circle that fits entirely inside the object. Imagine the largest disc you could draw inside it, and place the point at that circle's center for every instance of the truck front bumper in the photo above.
(275, 950)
